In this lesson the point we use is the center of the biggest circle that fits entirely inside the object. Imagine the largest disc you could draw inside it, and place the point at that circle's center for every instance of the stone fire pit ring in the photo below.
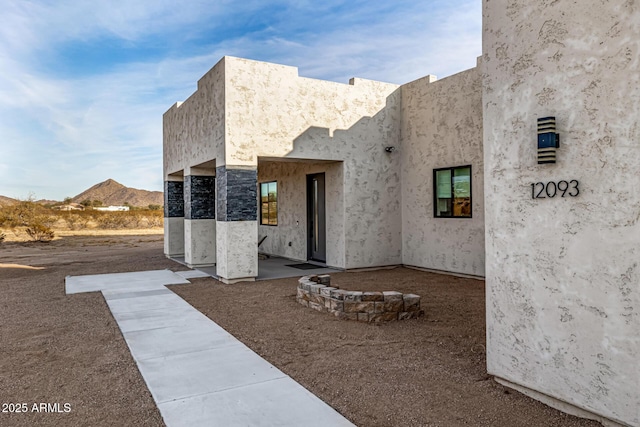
(316, 292)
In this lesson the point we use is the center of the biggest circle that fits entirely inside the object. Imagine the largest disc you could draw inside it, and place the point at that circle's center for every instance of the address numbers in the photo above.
(551, 189)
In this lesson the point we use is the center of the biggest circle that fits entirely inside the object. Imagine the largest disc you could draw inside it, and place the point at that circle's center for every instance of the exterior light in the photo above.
(548, 140)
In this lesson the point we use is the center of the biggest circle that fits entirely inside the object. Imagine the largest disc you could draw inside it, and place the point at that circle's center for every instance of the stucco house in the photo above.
(339, 168)
(462, 175)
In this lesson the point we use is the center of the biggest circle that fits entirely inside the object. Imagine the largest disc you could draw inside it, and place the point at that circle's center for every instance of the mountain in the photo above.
(111, 192)
(6, 201)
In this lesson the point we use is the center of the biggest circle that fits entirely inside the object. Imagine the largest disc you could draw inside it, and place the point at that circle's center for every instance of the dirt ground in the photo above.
(68, 349)
(425, 372)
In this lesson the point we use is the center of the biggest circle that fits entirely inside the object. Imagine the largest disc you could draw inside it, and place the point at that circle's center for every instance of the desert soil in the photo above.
(424, 372)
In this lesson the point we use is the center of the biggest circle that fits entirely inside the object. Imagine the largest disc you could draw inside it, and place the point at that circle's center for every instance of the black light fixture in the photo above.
(548, 140)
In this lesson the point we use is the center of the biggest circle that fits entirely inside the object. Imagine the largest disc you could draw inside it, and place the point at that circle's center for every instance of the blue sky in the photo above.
(84, 84)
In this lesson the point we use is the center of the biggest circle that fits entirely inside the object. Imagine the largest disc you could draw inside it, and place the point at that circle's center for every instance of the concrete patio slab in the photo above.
(277, 268)
(192, 274)
(273, 268)
(199, 374)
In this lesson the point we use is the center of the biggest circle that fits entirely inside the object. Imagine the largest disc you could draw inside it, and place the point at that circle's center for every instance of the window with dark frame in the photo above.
(452, 192)
(269, 203)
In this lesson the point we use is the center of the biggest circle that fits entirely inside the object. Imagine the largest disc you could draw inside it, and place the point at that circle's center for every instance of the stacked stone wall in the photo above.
(316, 292)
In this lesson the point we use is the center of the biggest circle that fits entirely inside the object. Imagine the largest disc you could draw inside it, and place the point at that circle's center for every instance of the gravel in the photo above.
(67, 349)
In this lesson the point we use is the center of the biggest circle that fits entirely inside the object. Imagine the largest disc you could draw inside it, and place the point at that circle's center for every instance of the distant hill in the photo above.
(111, 192)
(5, 201)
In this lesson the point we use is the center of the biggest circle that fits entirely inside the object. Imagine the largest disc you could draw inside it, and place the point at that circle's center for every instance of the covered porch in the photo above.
(244, 224)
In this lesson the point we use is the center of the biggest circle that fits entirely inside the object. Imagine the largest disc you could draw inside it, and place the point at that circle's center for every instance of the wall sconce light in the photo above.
(548, 140)
(390, 149)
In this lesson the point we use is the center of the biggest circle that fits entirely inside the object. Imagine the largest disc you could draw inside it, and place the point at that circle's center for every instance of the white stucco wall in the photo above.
(194, 130)
(174, 236)
(292, 210)
(272, 112)
(200, 242)
(442, 127)
(236, 254)
(563, 274)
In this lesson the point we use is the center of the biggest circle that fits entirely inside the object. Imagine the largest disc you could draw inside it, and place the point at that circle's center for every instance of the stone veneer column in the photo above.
(237, 223)
(199, 220)
(173, 218)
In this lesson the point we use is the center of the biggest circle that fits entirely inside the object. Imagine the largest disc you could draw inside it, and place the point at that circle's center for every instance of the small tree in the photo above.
(68, 200)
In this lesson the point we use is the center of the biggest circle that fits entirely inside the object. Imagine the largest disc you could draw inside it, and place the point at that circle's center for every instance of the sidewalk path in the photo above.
(197, 373)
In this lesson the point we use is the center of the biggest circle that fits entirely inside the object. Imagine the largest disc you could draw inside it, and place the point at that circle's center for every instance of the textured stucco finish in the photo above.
(563, 274)
(174, 236)
(292, 210)
(200, 242)
(442, 127)
(194, 130)
(245, 110)
(273, 113)
(237, 249)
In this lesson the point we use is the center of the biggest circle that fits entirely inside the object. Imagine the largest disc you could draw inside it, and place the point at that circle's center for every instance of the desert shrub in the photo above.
(76, 221)
(39, 232)
(2, 237)
(155, 219)
(135, 219)
(112, 220)
(138, 218)
(35, 219)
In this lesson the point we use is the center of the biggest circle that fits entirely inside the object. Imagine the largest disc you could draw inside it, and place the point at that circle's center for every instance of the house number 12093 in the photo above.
(551, 189)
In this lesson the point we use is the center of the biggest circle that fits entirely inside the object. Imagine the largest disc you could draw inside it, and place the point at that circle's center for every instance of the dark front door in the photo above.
(316, 241)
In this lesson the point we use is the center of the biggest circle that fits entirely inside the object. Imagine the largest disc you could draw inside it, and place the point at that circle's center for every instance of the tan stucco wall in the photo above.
(442, 127)
(272, 113)
(563, 274)
(194, 130)
(292, 210)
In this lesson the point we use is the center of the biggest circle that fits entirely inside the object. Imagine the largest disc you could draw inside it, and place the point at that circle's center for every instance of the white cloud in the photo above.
(61, 133)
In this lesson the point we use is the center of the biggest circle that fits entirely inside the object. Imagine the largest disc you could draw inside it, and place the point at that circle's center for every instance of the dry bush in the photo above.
(128, 219)
(135, 219)
(76, 221)
(35, 219)
(112, 220)
(40, 232)
(155, 218)
(2, 236)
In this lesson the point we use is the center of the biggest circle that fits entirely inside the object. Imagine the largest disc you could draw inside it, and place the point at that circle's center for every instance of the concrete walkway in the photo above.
(197, 373)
